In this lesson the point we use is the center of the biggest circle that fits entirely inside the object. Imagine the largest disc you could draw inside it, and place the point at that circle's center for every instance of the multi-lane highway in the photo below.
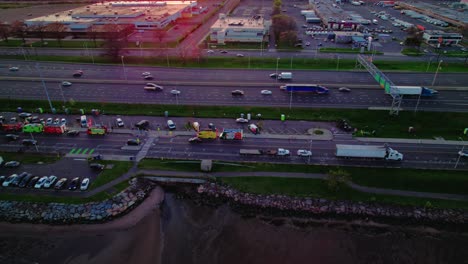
(112, 84)
(276, 134)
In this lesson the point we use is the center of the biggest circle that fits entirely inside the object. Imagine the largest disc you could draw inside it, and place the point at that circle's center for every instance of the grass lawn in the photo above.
(69, 44)
(169, 165)
(412, 52)
(208, 61)
(438, 181)
(11, 43)
(448, 126)
(29, 158)
(67, 200)
(107, 175)
(318, 188)
(347, 50)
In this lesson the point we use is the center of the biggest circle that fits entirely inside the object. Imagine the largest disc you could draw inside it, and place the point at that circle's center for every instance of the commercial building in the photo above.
(446, 14)
(444, 38)
(142, 15)
(239, 29)
(333, 16)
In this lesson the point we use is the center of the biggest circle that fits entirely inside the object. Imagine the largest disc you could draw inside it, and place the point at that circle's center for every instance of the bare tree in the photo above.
(92, 33)
(283, 23)
(20, 29)
(113, 43)
(5, 31)
(288, 38)
(40, 29)
(59, 30)
(160, 34)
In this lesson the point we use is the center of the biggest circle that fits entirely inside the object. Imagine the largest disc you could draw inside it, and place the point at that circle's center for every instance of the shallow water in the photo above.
(183, 232)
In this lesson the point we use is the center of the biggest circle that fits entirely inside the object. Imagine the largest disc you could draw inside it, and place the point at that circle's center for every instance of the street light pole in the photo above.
(310, 149)
(61, 91)
(337, 62)
(459, 156)
(45, 88)
(437, 71)
(429, 64)
(123, 66)
(277, 60)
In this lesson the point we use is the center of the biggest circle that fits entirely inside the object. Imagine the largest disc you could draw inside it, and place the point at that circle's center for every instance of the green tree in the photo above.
(335, 178)
(414, 37)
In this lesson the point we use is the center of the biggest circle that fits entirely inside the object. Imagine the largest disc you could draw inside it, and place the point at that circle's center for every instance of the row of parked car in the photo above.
(27, 180)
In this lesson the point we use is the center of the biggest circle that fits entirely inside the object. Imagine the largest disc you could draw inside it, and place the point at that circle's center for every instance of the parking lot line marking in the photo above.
(85, 150)
(78, 151)
(72, 151)
(91, 152)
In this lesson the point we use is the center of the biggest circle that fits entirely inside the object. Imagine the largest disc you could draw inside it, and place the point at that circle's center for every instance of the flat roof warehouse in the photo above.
(144, 14)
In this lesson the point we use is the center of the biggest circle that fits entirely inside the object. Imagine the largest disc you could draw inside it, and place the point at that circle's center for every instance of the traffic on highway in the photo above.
(182, 86)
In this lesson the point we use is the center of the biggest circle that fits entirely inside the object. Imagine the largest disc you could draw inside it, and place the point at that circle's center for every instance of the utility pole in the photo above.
(310, 149)
(45, 88)
(123, 66)
(459, 156)
(437, 71)
(277, 60)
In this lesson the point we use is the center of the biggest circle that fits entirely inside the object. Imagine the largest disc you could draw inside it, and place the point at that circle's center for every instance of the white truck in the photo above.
(416, 90)
(285, 76)
(250, 152)
(367, 151)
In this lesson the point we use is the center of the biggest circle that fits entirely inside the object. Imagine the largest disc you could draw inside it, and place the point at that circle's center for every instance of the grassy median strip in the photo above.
(301, 187)
(426, 124)
(298, 62)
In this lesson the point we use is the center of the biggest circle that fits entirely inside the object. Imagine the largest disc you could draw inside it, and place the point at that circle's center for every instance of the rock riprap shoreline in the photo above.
(92, 212)
(324, 207)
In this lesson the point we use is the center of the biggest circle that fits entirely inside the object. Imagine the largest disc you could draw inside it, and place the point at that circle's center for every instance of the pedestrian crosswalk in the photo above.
(83, 151)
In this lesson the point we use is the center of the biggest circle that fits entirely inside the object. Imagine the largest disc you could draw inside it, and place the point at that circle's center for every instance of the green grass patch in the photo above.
(437, 181)
(449, 125)
(317, 188)
(11, 43)
(207, 61)
(69, 44)
(169, 165)
(227, 46)
(348, 50)
(66, 200)
(412, 52)
(107, 175)
(29, 158)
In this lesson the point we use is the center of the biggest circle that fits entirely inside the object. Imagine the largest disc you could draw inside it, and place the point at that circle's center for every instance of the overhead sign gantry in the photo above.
(384, 82)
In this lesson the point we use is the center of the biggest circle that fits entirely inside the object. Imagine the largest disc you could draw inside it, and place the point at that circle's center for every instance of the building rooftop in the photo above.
(239, 22)
(117, 11)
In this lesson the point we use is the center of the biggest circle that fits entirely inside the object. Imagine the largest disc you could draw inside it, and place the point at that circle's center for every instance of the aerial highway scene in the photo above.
(233, 131)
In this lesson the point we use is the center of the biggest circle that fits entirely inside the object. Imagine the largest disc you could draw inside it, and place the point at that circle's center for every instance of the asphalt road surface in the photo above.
(433, 156)
(109, 83)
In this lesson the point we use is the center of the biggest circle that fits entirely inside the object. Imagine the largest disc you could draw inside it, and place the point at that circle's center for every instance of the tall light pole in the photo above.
(123, 66)
(429, 63)
(459, 156)
(310, 149)
(337, 62)
(61, 91)
(437, 71)
(277, 60)
(45, 88)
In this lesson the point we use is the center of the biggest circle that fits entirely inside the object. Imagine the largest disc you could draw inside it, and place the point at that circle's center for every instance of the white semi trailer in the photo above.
(367, 151)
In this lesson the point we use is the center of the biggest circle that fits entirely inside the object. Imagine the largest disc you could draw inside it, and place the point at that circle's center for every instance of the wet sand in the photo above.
(183, 232)
(133, 238)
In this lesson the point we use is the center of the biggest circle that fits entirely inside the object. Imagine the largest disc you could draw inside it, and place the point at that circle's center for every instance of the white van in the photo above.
(171, 125)
(83, 121)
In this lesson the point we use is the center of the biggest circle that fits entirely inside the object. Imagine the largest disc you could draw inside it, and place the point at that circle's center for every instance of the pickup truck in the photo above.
(278, 152)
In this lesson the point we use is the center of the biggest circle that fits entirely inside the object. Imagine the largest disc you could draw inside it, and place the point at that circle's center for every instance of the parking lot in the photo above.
(60, 169)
